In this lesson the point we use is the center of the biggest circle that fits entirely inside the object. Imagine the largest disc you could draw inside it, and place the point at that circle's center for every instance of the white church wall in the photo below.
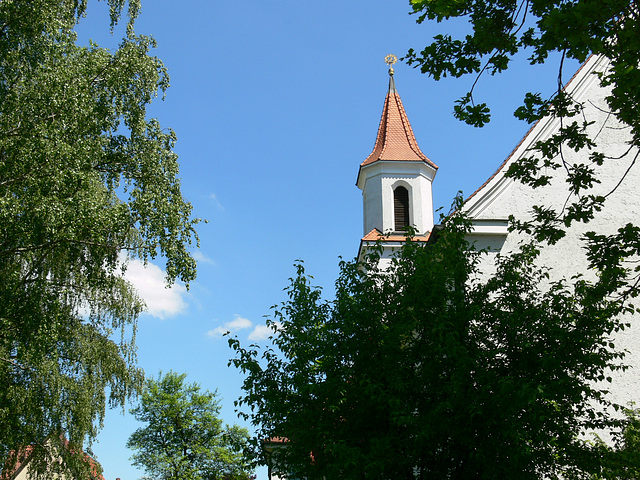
(502, 197)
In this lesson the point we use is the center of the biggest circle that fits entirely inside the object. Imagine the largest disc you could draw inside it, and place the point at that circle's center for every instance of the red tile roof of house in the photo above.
(16, 462)
(21, 458)
(395, 140)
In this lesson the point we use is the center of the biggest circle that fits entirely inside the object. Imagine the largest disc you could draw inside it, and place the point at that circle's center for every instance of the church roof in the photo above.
(591, 64)
(395, 140)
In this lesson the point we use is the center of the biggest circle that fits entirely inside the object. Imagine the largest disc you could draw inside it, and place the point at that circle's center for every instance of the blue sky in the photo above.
(275, 105)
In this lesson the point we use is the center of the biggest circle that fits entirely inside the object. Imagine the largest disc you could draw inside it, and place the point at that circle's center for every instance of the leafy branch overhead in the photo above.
(86, 180)
(545, 30)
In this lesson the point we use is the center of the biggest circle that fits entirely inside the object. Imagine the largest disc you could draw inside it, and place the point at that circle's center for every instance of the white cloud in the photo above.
(216, 201)
(202, 258)
(259, 332)
(162, 302)
(238, 323)
(263, 332)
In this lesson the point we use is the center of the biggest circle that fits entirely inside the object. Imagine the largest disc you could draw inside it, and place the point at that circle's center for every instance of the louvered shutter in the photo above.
(401, 208)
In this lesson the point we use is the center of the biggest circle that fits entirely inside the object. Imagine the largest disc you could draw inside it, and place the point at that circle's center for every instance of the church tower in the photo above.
(396, 177)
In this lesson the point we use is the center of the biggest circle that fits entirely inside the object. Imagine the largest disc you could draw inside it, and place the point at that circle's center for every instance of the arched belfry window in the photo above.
(401, 208)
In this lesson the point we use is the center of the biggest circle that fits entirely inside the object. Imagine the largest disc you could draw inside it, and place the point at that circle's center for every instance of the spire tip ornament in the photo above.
(390, 60)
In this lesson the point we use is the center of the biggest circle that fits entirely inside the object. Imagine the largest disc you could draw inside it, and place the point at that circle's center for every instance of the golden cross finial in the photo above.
(390, 60)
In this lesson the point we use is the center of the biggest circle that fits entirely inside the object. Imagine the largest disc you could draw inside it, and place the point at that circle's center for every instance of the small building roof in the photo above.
(392, 239)
(375, 235)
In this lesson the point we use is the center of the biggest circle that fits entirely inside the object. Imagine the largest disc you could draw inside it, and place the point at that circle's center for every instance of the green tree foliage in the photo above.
(623, 461)
(574, 29)
(183, 438)
(426, 371)
(85, 180)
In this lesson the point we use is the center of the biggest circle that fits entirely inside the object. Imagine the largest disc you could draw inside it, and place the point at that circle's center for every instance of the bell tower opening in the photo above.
(401, 208)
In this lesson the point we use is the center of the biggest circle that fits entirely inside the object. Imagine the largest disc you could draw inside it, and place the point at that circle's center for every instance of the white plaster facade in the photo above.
(500, 197)
(379, 180)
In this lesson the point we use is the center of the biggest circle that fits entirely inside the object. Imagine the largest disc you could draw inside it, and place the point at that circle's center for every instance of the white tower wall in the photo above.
(378, 182)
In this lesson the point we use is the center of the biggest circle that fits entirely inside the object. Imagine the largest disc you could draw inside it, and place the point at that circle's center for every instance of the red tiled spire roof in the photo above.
(395, 140)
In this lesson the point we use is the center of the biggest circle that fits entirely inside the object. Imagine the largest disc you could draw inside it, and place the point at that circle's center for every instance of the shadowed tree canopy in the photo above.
(86, 180)
(183, 437)
(426, 370)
